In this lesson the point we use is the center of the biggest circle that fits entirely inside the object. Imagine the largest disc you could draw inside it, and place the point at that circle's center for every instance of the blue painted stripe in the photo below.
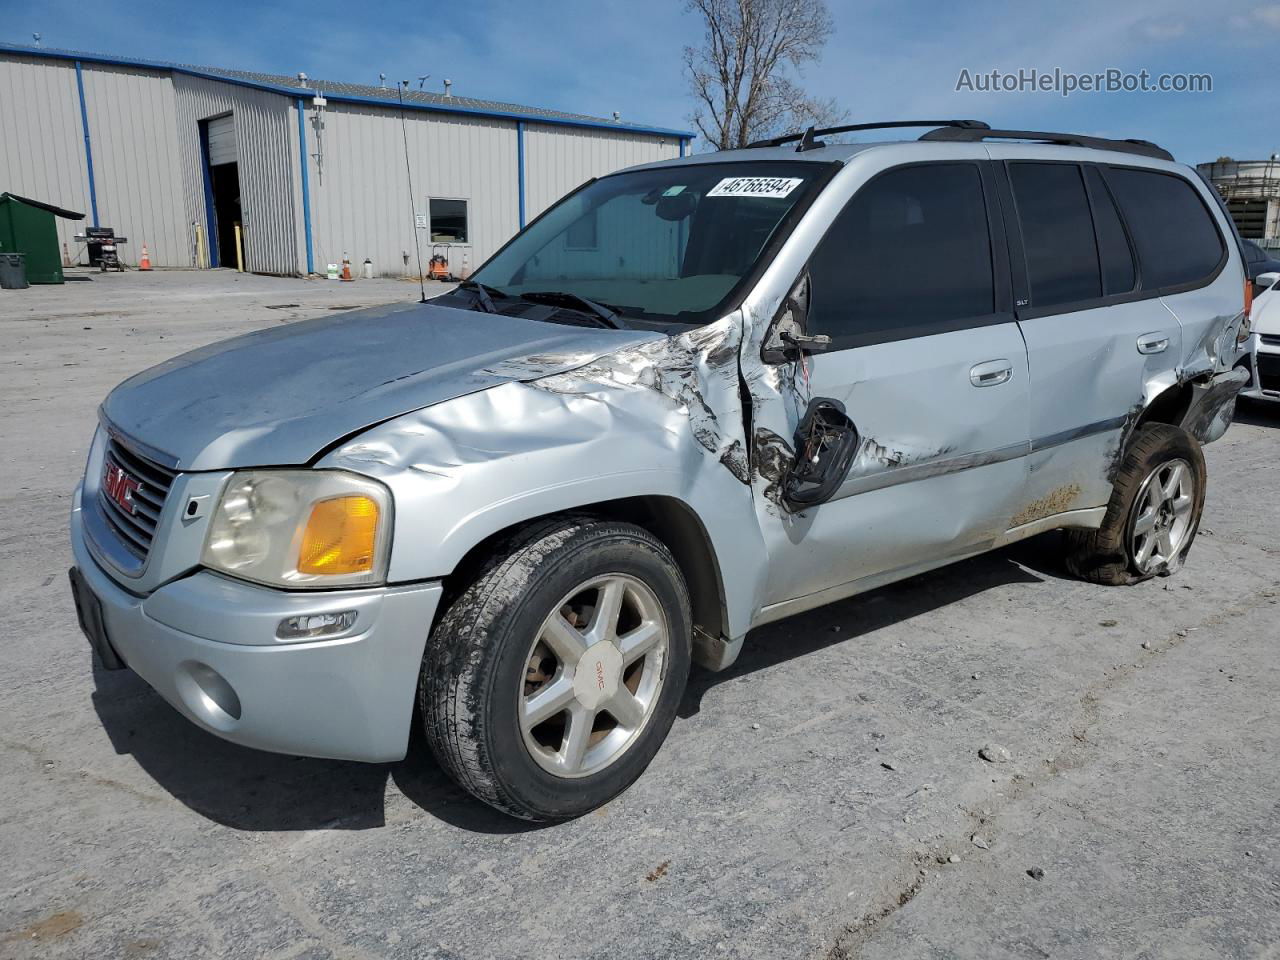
(306, 187)
(520, 166)
(88, 148)
(293, 92)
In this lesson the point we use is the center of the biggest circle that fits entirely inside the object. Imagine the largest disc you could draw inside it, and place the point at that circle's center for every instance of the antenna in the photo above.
(408, 174)
(421, 80)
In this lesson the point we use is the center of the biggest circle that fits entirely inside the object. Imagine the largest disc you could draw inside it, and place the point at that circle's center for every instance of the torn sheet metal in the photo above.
(658, 418)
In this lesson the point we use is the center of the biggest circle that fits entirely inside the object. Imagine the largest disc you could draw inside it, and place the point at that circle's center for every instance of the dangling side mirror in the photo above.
(787, 339)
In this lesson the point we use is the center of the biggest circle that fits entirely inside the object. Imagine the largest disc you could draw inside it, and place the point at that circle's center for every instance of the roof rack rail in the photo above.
(808, 139)
(955, 134)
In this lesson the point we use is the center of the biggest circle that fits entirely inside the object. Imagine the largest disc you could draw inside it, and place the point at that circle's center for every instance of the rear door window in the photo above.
(1113, 245)
(1177, 240)
(909, 255)
(1057, 233)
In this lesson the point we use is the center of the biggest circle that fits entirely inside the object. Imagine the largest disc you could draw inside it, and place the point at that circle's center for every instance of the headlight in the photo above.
(301, 528)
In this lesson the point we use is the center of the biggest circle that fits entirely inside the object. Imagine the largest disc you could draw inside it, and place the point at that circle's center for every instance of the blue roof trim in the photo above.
(294, 92)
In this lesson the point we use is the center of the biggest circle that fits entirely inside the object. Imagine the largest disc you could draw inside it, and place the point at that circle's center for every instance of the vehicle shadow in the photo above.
(1257, 413)
(247, 789)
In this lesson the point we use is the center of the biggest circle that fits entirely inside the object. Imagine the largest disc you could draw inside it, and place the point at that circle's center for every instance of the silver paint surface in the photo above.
(280, 396)
(477, 423)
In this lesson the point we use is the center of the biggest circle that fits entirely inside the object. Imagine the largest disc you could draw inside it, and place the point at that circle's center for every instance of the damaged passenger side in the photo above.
(826, 441)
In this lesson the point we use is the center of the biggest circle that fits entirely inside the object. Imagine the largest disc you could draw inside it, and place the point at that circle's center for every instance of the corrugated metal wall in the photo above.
(557, 159)
(149, 168)
(41, 141)
(360, 195)
(133, 128)
(266, 144)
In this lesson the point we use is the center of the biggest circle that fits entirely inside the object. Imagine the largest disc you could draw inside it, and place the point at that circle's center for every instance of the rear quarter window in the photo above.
(1177, 241)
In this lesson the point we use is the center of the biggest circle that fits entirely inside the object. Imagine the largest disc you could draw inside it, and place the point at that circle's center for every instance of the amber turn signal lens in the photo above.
(340, 536)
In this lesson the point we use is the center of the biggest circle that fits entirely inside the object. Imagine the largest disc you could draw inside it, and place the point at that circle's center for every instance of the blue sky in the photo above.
(886, 59)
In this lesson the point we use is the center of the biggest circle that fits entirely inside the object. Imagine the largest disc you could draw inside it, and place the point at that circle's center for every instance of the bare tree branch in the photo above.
(741, 75)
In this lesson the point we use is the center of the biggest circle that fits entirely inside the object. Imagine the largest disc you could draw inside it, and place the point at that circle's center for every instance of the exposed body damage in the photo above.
(660, 419)
(780, 463)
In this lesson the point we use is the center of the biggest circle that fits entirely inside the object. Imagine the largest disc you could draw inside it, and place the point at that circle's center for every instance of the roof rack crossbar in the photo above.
(807, 137)
(953, 134)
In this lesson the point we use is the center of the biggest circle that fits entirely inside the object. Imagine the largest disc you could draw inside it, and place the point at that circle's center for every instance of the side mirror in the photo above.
(1267, 280)
(787, 338)
(826, 442)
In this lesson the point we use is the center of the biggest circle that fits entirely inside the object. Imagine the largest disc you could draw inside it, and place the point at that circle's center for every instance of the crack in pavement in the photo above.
(1074, 753)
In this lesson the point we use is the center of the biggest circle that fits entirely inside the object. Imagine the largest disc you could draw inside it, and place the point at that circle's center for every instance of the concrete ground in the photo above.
(824, 798)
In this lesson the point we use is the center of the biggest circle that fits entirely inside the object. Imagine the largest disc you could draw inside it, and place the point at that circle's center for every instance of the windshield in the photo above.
(667, 244)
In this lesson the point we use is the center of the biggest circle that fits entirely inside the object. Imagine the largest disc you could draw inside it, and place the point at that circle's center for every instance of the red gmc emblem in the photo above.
(119, 486)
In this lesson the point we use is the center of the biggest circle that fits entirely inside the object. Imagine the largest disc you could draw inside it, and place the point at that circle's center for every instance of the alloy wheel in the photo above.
(593, 675)
(1161, 524)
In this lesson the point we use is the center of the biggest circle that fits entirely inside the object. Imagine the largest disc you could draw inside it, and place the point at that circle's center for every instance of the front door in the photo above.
(910, 283)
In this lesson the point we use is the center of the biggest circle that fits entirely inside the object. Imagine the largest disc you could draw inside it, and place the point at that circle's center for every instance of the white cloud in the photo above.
(1268, 15)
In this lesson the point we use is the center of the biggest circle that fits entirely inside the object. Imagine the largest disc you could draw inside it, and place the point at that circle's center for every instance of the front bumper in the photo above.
(206, 643)
(1263, 364)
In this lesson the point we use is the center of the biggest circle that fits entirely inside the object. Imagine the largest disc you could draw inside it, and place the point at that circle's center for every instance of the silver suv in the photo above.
(692, 398)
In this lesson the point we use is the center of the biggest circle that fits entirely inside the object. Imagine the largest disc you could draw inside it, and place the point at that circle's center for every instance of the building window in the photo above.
(581, 234)
(448, 220)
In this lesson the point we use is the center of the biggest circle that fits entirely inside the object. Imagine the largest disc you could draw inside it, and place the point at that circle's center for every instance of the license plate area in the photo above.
(89, 613)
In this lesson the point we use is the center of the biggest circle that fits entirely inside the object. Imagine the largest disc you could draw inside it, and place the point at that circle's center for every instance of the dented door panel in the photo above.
(1089, 380)
(939, 466)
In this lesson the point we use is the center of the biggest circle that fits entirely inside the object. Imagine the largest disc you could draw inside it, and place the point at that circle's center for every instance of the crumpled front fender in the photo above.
(659, 419)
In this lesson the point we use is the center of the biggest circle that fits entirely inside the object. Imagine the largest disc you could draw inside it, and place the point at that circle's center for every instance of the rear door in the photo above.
(1182, 254)
(910, 281)
(1098, 346)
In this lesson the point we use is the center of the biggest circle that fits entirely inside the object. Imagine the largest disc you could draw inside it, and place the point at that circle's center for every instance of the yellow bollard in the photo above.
(239, 250)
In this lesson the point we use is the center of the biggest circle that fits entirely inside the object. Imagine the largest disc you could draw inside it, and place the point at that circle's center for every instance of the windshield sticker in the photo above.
(754, 187)
(673, 191)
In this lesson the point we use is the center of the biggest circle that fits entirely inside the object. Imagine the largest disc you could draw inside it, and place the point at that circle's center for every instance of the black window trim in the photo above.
(1017, 257)
(1124, 229)
(999, 263)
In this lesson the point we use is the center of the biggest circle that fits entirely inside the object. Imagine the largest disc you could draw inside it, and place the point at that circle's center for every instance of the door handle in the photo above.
(991, 373)
(1150, 343)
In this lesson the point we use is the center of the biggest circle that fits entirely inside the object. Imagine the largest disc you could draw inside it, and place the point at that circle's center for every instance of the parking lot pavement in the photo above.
(823, 798)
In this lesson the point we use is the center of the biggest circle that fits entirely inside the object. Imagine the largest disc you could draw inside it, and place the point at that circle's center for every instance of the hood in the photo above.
(279, 397)
(1265, 317)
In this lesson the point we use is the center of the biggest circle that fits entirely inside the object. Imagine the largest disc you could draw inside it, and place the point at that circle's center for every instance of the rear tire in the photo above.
(550, 683)
(1153, 515)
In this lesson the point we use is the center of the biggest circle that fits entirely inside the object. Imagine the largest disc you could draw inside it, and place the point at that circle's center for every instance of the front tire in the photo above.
(1153, 515)
(551, 681)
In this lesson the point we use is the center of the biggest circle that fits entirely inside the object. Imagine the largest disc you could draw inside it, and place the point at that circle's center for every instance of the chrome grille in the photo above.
(136, 530)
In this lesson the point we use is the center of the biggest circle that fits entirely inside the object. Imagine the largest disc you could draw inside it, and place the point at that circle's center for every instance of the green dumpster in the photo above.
(26, 227)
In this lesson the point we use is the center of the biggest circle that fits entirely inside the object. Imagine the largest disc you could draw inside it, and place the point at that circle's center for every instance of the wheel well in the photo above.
(1169, 407)
(668, 519)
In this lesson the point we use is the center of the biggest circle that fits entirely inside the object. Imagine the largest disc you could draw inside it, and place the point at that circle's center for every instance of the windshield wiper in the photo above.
(484, 294)
(561, 298)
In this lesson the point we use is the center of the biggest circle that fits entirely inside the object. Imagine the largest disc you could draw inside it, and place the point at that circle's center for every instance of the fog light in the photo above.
(314, 626)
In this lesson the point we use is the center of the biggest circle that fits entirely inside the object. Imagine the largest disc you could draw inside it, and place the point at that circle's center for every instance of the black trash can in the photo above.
(13, 272)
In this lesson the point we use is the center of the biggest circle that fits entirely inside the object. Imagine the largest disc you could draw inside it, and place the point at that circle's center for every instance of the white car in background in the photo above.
(1263, 357)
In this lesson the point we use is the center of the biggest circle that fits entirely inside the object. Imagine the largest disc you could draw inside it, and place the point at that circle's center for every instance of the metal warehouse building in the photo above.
(1251, 189)
(173, 156)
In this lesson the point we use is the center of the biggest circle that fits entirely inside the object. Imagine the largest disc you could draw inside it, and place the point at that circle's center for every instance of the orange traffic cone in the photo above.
(145, 262)
(346, 268)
